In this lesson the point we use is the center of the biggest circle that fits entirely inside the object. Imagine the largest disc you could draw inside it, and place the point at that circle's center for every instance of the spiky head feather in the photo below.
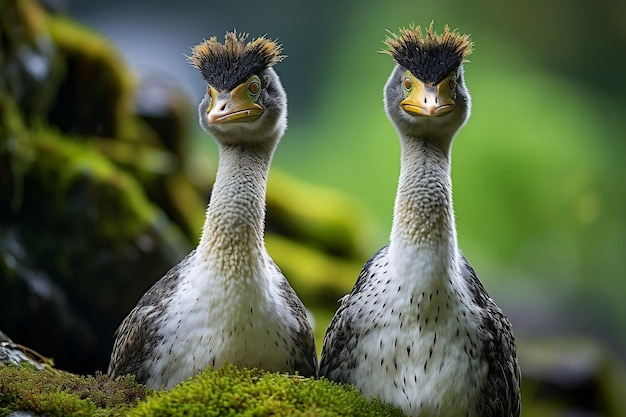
(225, 66)
(429, 58)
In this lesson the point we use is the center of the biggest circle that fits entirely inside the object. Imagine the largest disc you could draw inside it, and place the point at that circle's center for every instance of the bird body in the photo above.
(418, 329)
(226, 301)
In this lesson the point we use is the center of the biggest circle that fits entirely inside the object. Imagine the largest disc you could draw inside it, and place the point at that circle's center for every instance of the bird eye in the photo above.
(452, 82)
(407, 83)
(254, 87)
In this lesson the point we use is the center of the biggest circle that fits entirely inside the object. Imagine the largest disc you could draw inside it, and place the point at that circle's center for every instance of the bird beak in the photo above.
(428, 99)
(233, 107)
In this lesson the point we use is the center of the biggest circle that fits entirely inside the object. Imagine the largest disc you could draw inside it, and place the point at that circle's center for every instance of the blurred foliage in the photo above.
(570, 373)
(537, 169)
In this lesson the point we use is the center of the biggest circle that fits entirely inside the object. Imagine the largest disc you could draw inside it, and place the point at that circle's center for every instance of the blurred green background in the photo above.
(537, 171)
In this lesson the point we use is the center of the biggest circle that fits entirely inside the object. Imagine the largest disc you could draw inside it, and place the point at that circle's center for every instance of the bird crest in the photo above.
(225, 66)
(429, 58)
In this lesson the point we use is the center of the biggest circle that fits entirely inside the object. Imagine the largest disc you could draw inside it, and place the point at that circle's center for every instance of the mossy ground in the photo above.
(223, 392)
(52, 393)
(245, 392)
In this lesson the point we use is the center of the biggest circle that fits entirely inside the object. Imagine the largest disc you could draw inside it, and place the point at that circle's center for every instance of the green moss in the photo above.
(324, 279)
(57, 393)
(243, 392)
(62, 165)
(227, 391)
(96, 81)
(319, 217)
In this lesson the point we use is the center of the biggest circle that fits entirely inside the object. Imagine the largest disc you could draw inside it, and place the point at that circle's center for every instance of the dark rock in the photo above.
(80, 240)
(23, 414)
(577, 375)
(12, 353)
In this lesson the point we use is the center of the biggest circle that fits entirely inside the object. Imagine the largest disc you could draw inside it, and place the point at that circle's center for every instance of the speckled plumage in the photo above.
(226, 301)
(418, 329)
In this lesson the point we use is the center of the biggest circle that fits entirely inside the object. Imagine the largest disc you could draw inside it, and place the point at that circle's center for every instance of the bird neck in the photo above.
(232, 237)
(423, 213)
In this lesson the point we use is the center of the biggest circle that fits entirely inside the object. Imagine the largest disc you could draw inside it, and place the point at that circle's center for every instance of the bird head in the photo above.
(245, 101)
(425, 95)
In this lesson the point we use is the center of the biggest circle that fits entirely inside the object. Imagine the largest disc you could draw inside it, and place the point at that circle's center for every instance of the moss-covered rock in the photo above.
(29, 66)
(227, 391)
(54, 393)
(96, 204)
(80, 239)
(243, 392)
(81, 236)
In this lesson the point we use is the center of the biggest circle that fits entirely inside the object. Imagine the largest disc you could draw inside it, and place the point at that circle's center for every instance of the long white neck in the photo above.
(232, 238)
(423, 235)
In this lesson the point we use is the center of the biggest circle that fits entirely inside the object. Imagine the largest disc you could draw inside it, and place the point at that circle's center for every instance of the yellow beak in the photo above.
(234, 107)
(428, 99)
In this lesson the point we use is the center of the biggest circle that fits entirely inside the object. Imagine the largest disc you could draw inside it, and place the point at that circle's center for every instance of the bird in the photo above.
(418, 329)
(226, 301)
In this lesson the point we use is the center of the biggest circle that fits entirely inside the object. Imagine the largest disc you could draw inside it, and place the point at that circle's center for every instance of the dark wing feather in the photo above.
(137, 335)
(340, 338)
(305, 360)
(500, 394)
